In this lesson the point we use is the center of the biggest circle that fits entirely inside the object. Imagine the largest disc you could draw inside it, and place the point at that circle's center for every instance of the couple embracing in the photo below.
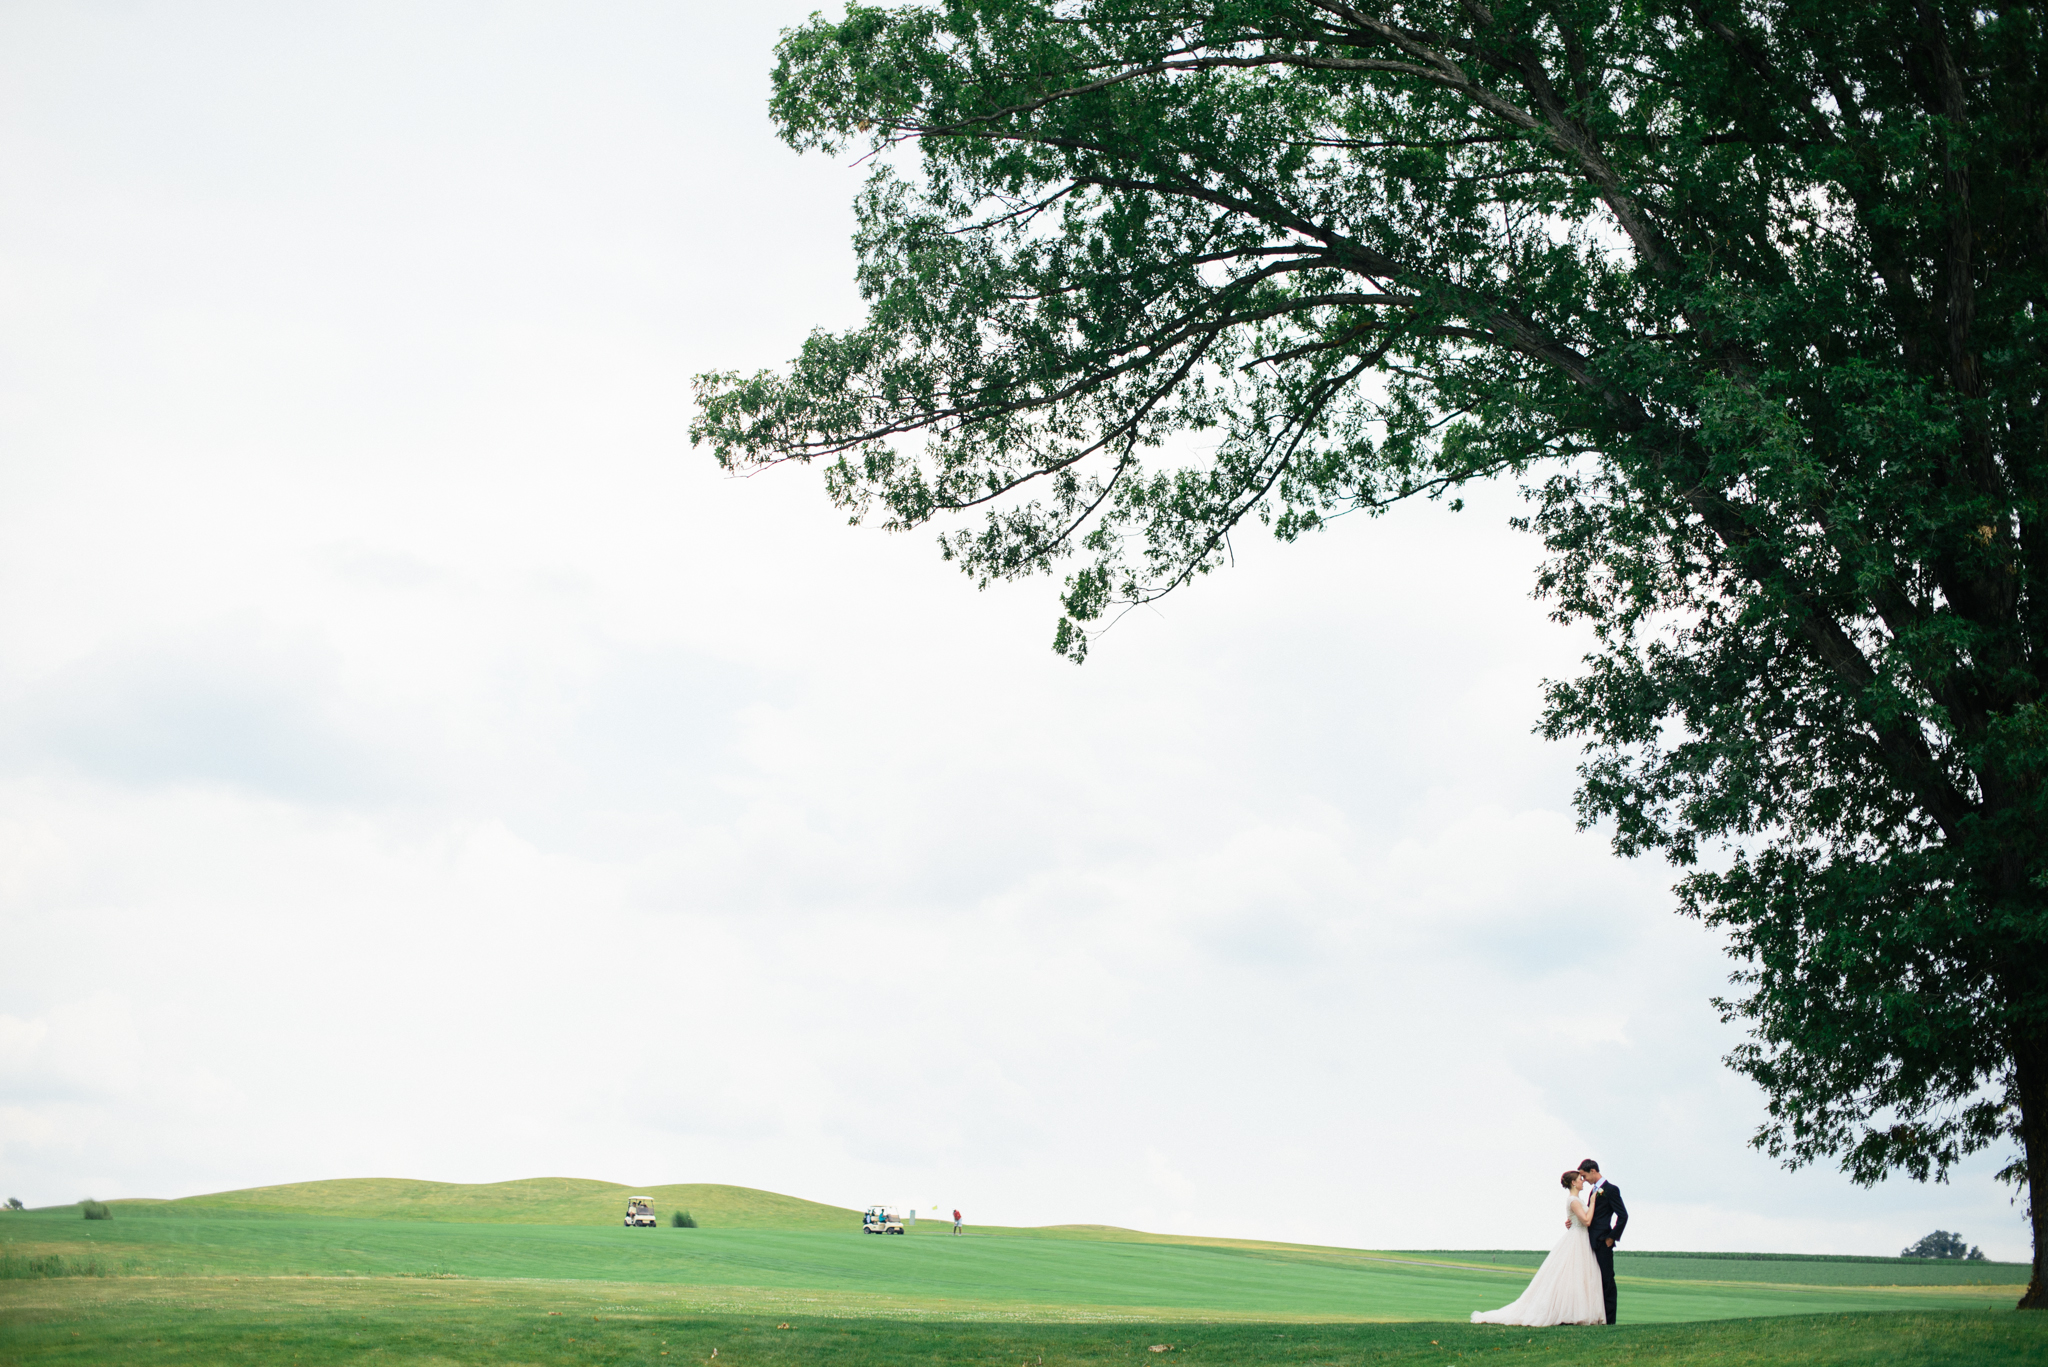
(1575, 1285)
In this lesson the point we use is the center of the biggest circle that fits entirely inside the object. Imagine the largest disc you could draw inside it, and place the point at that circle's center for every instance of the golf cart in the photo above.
(639, 1213)
(881, 1220)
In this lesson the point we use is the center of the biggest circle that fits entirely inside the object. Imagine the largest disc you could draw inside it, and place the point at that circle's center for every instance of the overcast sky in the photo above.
(416, 760)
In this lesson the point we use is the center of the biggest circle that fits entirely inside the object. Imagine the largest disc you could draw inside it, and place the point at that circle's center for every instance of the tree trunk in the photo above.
(2030, 1067)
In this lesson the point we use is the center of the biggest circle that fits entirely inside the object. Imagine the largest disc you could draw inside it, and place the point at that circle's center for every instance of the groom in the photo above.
(1610, 1218)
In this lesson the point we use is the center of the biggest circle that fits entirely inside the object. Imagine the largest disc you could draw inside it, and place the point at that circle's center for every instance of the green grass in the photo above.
(30, 1267)
(328, 1272)
(973, 1274)
(1804, 1269)
(327, 1321)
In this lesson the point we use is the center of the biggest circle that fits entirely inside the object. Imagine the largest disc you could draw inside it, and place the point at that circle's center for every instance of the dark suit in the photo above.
(1610, 1218)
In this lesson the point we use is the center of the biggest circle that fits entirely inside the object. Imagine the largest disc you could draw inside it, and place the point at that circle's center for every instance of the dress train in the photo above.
(1565, 1290)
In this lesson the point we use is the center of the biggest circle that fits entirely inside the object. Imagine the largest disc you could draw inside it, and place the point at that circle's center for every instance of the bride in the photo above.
(1566, 1289)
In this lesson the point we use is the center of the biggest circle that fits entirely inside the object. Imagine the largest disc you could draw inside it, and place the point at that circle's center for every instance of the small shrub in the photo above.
(95, 1210)
(1940, 1244)
(682, 1219)
(14, 1203)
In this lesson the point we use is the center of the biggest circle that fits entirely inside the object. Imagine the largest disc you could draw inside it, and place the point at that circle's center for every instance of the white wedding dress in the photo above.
(1565, 1290)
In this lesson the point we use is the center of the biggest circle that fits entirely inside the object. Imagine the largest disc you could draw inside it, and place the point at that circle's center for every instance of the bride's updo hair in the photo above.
(1571, 1175)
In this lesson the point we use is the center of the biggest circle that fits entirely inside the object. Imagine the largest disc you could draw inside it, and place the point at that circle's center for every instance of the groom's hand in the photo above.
(1610, 1243)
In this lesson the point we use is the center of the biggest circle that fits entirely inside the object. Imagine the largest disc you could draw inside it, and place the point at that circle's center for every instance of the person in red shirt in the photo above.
(956, 1222)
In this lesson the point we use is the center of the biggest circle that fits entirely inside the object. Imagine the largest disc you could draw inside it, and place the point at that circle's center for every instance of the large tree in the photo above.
(1747, 293)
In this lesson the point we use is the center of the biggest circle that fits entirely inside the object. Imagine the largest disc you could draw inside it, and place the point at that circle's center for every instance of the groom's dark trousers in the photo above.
(1610, 1218)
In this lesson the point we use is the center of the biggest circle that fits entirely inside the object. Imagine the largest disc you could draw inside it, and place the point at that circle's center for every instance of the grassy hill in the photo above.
(530, 1201)
(779, 1271)
(583, 1201)
(324, 1274)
